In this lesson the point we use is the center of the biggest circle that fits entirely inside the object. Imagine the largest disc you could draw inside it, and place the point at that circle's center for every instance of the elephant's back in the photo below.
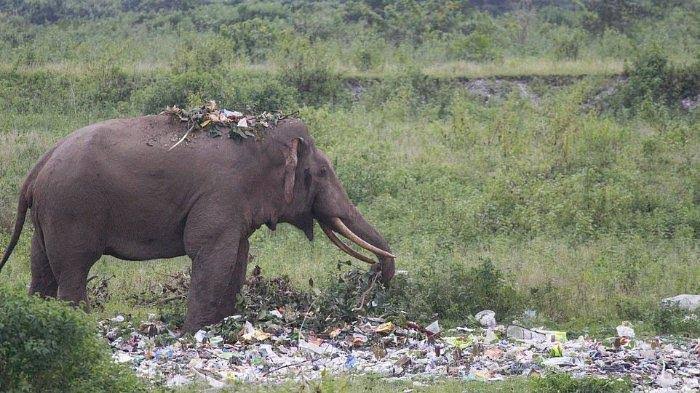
(113, 157)
(118, 171)
(131, 133)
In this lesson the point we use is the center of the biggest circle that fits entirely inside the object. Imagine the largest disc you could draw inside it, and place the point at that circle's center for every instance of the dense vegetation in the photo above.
(357, 37)
(47, 346)
(565, 181)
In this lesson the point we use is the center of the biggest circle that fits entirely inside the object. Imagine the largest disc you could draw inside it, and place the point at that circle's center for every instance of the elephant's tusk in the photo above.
(344, 247)
(345, 231)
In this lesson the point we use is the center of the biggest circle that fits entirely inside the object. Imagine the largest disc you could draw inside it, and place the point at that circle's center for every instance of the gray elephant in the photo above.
(115, 188)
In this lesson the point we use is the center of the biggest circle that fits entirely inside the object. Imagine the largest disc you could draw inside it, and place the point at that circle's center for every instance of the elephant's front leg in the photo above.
(218, 272)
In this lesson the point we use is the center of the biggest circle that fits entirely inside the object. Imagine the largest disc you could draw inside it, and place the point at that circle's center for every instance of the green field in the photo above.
(575, 171)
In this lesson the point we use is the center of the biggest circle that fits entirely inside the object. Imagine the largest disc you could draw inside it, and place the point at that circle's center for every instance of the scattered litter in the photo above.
(460, 342)
(486, 318)
(279, 337)
(559, 361)
(373, 345)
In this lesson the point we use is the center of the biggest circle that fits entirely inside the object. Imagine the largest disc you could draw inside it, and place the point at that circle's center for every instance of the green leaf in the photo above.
(236, 133)
(215, 132)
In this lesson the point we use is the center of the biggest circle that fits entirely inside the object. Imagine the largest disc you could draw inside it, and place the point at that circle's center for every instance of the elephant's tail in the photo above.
(25, 202)
(22, 208)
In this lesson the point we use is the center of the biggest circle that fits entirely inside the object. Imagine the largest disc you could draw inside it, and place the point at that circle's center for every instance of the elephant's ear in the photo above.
(290, 168)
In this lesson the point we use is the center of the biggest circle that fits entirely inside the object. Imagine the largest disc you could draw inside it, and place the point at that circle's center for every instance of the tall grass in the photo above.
(592, 214)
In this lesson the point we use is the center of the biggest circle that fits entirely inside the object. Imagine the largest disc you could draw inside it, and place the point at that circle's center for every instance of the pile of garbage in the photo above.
(236, 350)
(223, 121)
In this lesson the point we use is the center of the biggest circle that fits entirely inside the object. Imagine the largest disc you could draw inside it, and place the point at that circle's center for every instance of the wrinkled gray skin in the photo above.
(113, 188)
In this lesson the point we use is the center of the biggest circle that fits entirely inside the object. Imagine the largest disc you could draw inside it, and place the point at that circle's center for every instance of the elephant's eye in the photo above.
(322, 172)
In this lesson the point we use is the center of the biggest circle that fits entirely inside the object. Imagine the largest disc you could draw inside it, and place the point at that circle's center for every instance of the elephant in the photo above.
(117, 188)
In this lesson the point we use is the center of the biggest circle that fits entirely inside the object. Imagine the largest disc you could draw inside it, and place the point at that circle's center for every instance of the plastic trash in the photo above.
(408, 351)
(625, 330)
(433, 328)
(559, 361)
(520, 333)
(177, 380)
(685, 302)
(317, 349)
(200, 336)
(459, 342)
(384, 328)
(486, 318)
(553, 335)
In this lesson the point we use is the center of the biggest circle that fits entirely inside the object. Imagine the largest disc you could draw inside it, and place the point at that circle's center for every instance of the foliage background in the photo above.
(575, 175)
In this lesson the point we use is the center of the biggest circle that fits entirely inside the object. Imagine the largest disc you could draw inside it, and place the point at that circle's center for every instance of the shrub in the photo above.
(367, 53)
(48, 346)
(567, 43)
(201, 55)
(253, 38)
(306, 68)
(477, 46)
(449, 291)
(175, 89)
(455, 292)
(235, 91)
(653, 79)
(673, 320)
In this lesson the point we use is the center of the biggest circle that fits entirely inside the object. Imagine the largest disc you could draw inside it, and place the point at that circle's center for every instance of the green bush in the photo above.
(237, 91)
(672, 320)
(455, 292)
(47, 346)
(564, 383)
(255, 39)
(445, 290)
(451, 292)
(567, 43)
(653, 80)
(477, 46)
(306, 68)
(367, 53)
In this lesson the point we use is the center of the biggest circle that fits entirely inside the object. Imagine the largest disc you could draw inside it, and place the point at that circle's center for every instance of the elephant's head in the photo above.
(312, 191)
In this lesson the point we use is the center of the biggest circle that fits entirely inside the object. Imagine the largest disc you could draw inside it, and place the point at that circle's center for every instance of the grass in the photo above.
(574, 208)
(369, 384)
(509, 67)
(527, 67)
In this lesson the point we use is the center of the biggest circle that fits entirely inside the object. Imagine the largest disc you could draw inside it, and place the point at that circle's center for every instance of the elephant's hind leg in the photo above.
(43, 280)
(71, 255)
(72, 279)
